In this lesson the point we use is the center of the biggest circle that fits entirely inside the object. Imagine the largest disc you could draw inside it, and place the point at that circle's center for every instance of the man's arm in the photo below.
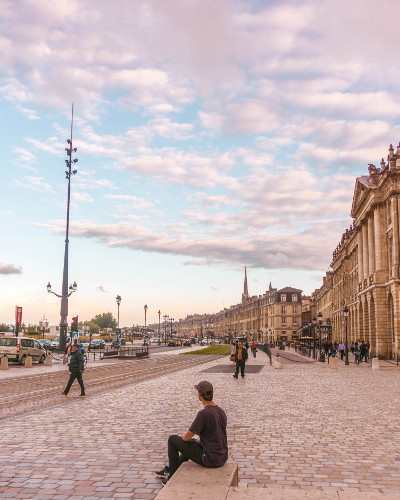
(187, 436)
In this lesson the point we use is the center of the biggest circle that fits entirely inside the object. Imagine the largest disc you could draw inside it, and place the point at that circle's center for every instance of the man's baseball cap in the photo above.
(204, 387)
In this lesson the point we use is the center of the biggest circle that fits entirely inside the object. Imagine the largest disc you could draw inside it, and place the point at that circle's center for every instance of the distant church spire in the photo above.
(270, 286)
(245, 294)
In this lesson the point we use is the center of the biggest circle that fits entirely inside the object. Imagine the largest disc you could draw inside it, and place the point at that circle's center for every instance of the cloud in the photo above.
(10, 269)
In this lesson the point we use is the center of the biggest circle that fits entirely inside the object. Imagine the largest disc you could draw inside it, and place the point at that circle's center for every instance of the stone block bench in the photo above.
(238, 493)
(193, 482)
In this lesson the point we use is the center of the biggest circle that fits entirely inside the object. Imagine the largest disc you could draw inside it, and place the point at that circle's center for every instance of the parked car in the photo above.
(118, 341)
(96, 344)
(55, 343)
(18, 348)
(187, 343)
(45, 343)
(172, 343)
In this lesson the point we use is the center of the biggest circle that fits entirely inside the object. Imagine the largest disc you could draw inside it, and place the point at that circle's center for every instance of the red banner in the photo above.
(18, 316)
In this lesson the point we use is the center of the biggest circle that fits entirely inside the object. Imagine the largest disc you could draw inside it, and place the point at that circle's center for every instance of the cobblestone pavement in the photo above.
(304, 426)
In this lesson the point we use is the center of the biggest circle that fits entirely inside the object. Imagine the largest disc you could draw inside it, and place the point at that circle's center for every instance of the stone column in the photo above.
(371, 246)
(378, 239)
(395, 225)
(360, 256)
(365, 250)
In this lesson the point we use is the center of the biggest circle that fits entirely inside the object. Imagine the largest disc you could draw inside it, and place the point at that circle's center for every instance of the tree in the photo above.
(105, 320)
(4, 327)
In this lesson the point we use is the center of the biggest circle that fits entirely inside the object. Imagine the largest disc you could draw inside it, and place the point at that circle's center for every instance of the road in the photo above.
(30, 393)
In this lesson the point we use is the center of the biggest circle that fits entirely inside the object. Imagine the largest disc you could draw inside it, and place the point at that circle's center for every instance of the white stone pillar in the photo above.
(365, 250)
(395, 225)
(360, 256)
(371, 246)
(378, 239)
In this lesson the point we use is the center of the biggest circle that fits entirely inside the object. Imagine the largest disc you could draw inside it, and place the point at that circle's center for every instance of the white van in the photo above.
(18, 348)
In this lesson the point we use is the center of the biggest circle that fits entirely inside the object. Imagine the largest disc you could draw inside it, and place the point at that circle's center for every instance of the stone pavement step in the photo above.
(191, 481)
(240, 493)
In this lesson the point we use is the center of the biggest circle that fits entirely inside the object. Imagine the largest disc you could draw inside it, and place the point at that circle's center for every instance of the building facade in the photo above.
(365, 264)
(273, 316)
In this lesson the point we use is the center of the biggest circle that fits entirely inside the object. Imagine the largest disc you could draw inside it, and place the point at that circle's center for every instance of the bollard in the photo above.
(28, 362)
(333, 365)
(375, 363)
(278, 363)
(48, 361)
(4, 363)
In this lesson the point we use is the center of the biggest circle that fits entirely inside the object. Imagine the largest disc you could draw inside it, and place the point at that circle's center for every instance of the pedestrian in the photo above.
(254, 349)
(241, 355)
(76, 367)
(363, 351)
(211, 448)
(356, 353)
(352, 347)
(367, 350)
(341, 349)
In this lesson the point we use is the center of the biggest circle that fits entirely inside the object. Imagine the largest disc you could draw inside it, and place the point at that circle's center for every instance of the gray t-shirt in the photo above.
(210, 426)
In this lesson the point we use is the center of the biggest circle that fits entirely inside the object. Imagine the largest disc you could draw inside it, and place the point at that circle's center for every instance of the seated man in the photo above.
(211, 449)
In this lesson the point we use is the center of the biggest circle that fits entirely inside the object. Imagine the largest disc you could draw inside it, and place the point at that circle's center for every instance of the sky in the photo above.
(211, 135)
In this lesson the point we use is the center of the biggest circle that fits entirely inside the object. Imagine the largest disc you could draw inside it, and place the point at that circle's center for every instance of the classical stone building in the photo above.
(269, 317)
(366, 262)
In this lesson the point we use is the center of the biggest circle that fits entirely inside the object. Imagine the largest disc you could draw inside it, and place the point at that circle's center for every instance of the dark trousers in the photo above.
(341, 354)
(180, 451)
(240, 363)
(75, 375)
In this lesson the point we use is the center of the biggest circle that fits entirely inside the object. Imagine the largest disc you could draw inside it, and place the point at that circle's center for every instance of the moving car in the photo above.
(187, 343)
(96, 344)
(18, 348)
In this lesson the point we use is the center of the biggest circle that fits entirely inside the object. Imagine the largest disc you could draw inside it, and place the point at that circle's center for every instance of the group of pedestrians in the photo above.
(360, 349)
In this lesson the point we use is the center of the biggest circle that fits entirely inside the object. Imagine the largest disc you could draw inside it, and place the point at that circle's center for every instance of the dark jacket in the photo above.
(245, 354)
(76, 363)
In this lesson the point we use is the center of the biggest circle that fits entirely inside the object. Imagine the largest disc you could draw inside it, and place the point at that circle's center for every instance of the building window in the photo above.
(295, 309)
(283, 309)
(295, 321)
(283, 298)
(283, 321)
(294, 298)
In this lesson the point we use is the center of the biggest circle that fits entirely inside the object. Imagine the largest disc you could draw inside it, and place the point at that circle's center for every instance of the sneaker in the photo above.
(81, 395)
(63, 393)
(163, 472)
(165, 479)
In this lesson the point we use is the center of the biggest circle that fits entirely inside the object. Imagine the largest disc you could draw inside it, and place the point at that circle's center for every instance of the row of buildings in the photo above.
(364, 279)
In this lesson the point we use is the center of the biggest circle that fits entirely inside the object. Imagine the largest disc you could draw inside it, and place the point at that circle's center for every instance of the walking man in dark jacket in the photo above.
(241, 356)
(76, 367)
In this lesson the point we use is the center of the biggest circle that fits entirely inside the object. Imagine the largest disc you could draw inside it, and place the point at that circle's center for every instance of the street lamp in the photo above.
(43, 323)
(314, 321)
(118, 300)
(145, 318)
(165, 327)
(64, 294)
(320, 336)
(172, 320)
(159, 323)
(345, 314)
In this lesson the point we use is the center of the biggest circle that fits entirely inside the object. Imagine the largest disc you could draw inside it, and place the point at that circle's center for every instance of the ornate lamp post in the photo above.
(314, 321)
(159, 323)
(72, 288)
(172, 320)
(345, 314)
(165, 327)
(118, 300)
(320, 335)
(145, 318)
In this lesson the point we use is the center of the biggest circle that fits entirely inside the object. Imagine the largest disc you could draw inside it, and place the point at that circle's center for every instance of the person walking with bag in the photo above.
(241, 355)
(76, 367)
(254, 349)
